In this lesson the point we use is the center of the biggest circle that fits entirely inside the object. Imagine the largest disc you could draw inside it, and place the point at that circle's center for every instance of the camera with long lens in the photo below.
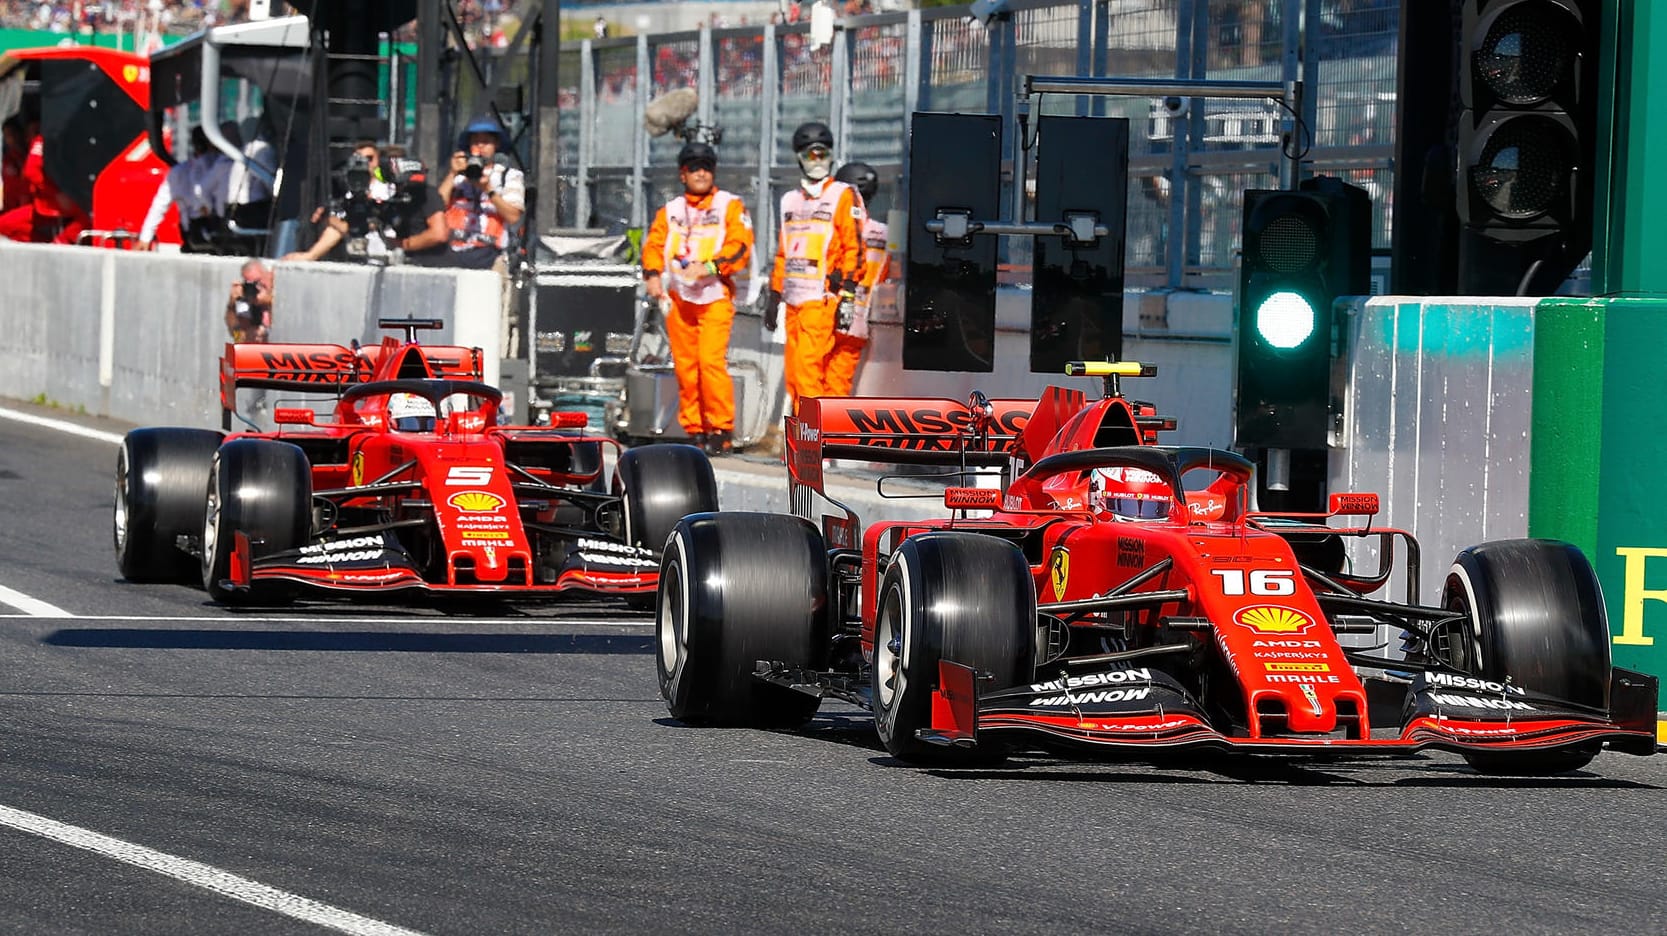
(354, 203)
(394, 216)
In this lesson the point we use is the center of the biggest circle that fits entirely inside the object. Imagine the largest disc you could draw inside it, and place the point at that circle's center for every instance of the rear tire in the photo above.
(963, 597)
(737, 588)
(160, 475)
(661, 485)
(263, 489)
(1537, 617)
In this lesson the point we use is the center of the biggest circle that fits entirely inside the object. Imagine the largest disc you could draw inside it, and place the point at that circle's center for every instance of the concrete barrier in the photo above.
(1438, 420)
(138, 337)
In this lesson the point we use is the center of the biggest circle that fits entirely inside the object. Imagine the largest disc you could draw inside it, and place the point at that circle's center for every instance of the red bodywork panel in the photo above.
(125, 186)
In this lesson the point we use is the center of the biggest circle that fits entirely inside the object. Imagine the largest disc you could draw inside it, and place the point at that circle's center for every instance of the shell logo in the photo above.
(1274, 619)
(475, 501)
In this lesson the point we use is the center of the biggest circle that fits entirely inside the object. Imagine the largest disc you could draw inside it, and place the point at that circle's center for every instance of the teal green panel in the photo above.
(1631, 553)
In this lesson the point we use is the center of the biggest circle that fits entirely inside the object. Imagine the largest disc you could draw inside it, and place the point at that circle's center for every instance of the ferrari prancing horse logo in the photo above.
(1059, 571)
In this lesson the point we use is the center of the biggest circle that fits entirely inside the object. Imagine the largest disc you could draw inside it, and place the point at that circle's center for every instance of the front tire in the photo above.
(662, 484)
(736, 589)
(1536, 616)
(963, 597)
(263, 489)
(159, 497)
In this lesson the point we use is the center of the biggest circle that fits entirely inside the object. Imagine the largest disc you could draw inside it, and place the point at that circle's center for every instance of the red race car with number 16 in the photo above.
(1113, 595)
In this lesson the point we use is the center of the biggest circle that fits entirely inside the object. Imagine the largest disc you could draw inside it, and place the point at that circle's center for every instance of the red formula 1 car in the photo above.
(1116, 595)
(410, 484)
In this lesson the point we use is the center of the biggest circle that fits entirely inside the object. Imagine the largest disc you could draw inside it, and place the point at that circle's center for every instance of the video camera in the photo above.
(393, 216)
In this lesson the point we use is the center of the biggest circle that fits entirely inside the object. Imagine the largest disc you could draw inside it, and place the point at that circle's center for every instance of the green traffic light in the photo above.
(1285, 320)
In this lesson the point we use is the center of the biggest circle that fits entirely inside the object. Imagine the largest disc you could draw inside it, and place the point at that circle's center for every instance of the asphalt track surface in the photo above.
(168, 766)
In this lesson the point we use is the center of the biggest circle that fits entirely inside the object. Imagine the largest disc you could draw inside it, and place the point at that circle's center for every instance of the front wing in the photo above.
(392, 570)
(1161, 715)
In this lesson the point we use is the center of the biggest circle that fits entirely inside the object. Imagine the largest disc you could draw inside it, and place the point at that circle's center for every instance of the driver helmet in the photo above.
(408, 412)
(1132, 493)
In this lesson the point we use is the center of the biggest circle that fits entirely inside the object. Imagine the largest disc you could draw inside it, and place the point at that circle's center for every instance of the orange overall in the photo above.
(819, 236)
(698, 243)
(849, 342)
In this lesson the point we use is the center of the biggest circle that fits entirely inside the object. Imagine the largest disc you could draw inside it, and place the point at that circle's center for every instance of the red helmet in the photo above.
(1132, 493)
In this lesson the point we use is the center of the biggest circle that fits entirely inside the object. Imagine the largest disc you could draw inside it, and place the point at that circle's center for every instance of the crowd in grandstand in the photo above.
(77, 16)
(489, 23)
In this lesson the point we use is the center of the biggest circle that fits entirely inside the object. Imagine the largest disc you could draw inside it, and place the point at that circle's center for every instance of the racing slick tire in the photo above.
(263, 489)
(964, 597)
(662, 484)
(1536, 616)
(737, 588)
(159, 497)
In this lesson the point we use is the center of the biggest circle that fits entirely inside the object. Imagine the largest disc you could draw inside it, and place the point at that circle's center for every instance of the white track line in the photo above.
(295, 619)
(201, 875)
(31, 607)
(114, 438)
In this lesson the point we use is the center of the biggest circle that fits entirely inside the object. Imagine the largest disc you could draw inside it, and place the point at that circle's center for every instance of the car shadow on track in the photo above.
(1251, 771)
(849, 729)
(855, 729)
(146, 638)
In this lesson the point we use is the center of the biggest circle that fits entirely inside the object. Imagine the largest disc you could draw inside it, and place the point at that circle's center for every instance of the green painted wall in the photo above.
(1566, 437)
(1631, 553)
(35, 39)
(1599, 457)
(1631, 224)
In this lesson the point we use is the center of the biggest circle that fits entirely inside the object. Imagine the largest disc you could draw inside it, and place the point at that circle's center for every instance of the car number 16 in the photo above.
(1262, 581)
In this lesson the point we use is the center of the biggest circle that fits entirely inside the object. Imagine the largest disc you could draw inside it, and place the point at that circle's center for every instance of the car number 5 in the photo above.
(468, 475)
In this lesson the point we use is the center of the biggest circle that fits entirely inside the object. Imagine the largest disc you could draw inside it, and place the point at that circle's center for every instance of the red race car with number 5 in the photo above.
(1114, 595)
(409, 484)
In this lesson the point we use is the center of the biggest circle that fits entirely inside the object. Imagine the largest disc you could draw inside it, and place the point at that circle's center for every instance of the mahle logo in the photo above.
(1274, 619)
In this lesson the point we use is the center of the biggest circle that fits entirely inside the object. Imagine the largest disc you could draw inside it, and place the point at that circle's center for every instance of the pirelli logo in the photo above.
(1297, 667)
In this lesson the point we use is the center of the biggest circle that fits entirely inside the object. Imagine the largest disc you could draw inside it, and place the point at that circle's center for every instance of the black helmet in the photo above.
(695, 154)
(860, 176)
(810, 134)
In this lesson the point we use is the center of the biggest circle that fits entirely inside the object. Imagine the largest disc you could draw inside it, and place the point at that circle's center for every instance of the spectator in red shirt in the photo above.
(51, 217)
(15, 192)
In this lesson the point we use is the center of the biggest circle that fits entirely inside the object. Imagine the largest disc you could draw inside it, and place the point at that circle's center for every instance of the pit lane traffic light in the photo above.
(1302, 250)
(1528, 85)
(1496, 144)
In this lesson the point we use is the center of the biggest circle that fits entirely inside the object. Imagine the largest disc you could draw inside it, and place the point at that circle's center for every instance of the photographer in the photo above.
(484, 198)
(386, 205)
(249, 310)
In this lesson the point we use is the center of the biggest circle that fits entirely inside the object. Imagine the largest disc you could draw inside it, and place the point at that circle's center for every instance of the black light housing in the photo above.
(1301, 251)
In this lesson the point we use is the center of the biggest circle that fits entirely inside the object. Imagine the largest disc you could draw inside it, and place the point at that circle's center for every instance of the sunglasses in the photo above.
(699, 165)
(817, 152)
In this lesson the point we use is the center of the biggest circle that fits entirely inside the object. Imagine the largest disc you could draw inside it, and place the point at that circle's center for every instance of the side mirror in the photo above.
(1354, 505)
(967, 498)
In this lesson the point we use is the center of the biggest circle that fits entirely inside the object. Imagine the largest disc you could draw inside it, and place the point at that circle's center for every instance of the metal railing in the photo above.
(1188, 166)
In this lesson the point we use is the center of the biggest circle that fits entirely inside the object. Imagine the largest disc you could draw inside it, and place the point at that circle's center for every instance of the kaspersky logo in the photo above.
(476, 501)
(1274, 619)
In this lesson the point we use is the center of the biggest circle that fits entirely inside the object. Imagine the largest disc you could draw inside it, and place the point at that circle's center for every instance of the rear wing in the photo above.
(329, 368)
(912, 431)
(903, 431)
